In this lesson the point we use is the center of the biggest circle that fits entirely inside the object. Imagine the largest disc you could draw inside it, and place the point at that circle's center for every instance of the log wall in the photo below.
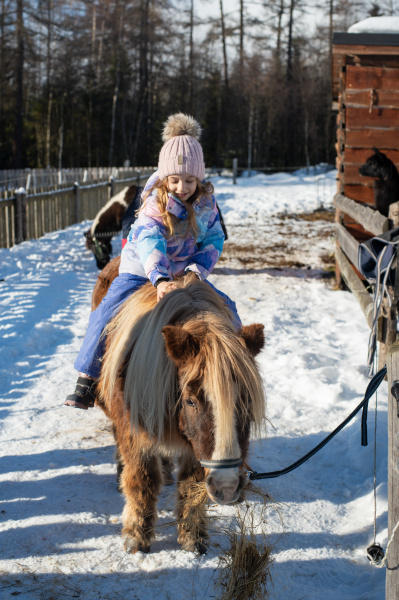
(368, 116)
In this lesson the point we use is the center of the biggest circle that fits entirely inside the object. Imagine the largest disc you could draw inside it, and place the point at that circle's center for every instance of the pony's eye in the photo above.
(191, 402)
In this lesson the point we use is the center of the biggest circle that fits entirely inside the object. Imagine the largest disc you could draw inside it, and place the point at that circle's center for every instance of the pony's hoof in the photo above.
(199, 547)
(132, 546)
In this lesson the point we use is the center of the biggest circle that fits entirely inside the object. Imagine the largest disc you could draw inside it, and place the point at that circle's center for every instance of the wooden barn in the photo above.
(365, 90)
(365, 82)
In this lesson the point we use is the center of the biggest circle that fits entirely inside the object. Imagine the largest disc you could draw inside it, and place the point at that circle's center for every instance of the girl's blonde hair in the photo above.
(174, 226)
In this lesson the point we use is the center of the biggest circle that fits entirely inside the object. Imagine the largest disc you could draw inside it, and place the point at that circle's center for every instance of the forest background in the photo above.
(86, 83)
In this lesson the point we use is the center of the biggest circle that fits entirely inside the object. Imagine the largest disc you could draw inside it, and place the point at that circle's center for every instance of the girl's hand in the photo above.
(164, 287)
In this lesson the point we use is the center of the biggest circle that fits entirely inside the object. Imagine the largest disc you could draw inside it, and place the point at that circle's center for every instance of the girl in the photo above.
(178, 230)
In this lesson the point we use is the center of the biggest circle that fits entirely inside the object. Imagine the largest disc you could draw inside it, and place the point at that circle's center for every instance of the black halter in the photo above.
(223, 463)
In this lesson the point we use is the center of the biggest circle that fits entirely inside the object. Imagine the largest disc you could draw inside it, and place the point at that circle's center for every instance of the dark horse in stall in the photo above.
(386, 186)
(179, 380)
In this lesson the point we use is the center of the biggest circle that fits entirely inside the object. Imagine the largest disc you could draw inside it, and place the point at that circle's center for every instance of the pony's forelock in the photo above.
(230, 376)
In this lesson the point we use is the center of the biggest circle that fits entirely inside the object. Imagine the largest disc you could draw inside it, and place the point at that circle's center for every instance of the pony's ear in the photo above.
(180, 345)
(254, 337)
(377, 152)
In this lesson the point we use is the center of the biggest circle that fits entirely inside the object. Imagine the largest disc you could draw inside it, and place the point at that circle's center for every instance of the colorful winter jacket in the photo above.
(150, 253)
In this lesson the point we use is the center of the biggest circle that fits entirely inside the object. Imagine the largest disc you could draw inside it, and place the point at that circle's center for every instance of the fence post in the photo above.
(235, 161)
(392, 572)
(138, 177)
(77, 201)
(20, 222)
(389, 309)
(111, 186)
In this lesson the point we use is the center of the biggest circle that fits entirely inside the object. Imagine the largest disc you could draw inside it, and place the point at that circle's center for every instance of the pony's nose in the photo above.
(226, 495)
(223, 486)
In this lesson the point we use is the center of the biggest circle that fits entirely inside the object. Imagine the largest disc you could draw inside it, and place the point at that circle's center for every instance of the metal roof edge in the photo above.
(366, 39)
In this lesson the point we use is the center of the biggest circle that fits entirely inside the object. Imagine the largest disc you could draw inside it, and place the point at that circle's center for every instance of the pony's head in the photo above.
(221, 394)
(190, 379)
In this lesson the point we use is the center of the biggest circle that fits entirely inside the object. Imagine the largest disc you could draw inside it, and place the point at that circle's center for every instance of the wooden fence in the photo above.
(347, 250)
(29, 216)
(35, 181)
(374, 223)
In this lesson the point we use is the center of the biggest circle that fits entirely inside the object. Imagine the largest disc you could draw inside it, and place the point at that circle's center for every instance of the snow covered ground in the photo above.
(60, 512)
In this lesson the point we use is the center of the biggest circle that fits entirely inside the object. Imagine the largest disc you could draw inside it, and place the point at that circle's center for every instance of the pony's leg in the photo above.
(118, 459)
(141, 482)
(191, 509)
(167, 470)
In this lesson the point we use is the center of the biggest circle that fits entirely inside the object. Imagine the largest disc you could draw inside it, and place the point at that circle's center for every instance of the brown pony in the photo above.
(178, 379)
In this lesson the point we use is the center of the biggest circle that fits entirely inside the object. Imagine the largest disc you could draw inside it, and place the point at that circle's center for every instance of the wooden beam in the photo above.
(372, 116)
(355, 285)
(353, 177)
(366, 78)
(382, 98)
(361, 193)
(347, 242)
(383, 139)
(392, 571)
(359, 156)
(371, 220)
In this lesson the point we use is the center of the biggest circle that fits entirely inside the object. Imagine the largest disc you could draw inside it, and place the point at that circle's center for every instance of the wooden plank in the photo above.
(382, 98)
(376, 78)
(352, 176)
(384, 139)
(345, 53)
(7, 223)
(355, 229)
(392, 571)
(347, 242)
(361, 193)
(359, 156)
(355, 285)
(371, 220)
(340, 120)
(359, 118)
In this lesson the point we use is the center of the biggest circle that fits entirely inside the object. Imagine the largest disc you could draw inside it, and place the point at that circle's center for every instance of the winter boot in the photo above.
(84, 394)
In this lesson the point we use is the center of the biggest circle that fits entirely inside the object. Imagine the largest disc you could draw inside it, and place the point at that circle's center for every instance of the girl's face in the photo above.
(182, 186)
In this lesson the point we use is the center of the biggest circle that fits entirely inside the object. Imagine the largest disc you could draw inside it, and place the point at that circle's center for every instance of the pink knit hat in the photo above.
(181, 153)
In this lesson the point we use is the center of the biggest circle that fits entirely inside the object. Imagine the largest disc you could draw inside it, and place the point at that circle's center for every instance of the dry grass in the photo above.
(193, 492)
(244, 570)
(322, 214)
(244, 567)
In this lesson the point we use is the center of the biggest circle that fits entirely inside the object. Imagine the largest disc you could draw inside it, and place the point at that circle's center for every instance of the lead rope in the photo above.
(375, 466)
(375, 553)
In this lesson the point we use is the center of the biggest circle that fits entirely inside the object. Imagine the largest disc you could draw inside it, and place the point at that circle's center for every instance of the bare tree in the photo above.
(19, 78)
(223, 28)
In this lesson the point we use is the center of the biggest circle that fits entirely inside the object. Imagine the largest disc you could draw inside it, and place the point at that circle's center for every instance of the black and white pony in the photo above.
(109, 221)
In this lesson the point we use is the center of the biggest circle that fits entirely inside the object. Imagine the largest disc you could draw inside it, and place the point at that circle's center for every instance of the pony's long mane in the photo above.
(223, 363)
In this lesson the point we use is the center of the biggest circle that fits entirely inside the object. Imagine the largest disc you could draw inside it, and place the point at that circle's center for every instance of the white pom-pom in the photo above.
(180, 124)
